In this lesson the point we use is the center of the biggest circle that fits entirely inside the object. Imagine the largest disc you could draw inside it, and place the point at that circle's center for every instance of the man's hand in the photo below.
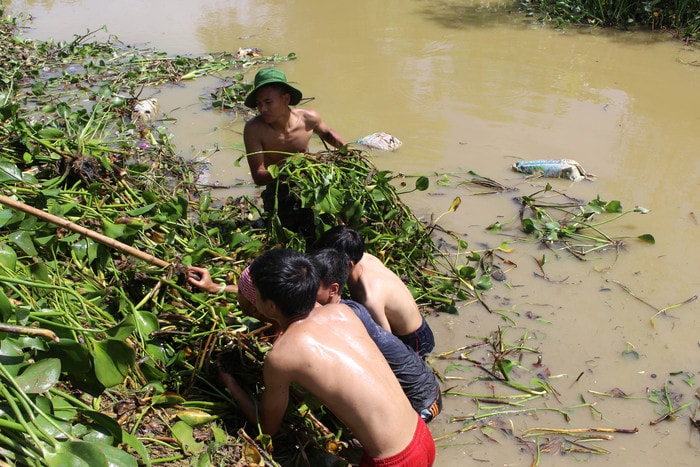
(201, 278)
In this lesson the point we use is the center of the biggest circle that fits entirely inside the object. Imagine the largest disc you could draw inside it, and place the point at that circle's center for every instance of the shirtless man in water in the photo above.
(328, 351)
(273, 135)
(278, 129)
(381, 291)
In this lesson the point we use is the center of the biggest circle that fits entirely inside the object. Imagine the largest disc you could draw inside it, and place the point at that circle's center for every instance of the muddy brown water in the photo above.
(467, 86)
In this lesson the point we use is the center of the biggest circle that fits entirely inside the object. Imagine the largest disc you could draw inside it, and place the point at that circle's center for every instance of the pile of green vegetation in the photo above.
(104, 356)
(681, 17)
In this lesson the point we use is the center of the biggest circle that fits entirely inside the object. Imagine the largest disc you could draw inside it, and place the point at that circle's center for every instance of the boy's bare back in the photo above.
(331, 355)
(385, 295)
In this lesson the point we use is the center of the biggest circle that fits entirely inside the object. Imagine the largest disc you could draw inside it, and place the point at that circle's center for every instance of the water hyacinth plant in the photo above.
(105, 356)
(681, 17)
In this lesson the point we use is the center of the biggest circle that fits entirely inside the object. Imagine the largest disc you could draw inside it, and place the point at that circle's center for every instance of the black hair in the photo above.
(332, 266)
(344, 239)
(288, 278)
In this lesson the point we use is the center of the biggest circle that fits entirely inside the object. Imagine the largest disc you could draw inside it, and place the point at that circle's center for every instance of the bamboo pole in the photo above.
(103, 239)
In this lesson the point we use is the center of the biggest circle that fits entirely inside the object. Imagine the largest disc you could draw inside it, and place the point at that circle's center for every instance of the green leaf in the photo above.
(376, 194)
(122, 330)
(39, 377)
(6, 216)
(613, 206)
(23, 240)
(647, 238)
(107, 423)
(104, 92)
(89, 454)
(113, 230)
(495, 227)
(52, 426)
(630, 353)
(113, 361)
(50, 133)
(142, 210)
(220, 435)
(85, 248)
(9, 172)
(66, 459)
(183, 433)
(484, 282)
(6, 307)
(466, 272)
(62, 409)
(134, 443)
(146, 323)
(195, 417)
(63, 110)
(528, 225)
(504, 366)
(40, 272)
(330, 203)
(457, 367)
(422, 183)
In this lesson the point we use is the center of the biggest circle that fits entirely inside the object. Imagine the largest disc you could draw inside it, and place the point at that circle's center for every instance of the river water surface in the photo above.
(467, 86)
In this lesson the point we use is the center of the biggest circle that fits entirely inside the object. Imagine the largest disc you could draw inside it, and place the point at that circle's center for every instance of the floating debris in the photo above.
(145, 111)
(382, 141)
(247, 52)
(560, 168)
(486, 182)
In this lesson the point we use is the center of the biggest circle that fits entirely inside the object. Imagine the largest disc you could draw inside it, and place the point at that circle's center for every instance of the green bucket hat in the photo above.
(268, 76)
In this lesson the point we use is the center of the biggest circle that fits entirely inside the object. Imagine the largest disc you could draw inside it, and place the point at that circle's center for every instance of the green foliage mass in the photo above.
(682, 17)
(103, 355)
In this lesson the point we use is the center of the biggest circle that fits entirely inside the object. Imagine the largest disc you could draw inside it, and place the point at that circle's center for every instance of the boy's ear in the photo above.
(334, 288)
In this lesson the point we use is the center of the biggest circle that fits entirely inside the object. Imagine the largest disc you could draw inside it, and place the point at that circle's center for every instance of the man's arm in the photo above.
(326, 133)
(255, 155)
(243, 400)
(376, 310)
(330, 136)
(275, 398)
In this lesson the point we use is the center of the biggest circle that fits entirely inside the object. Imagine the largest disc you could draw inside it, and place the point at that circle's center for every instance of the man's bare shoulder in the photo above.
(325, 327)
(373, 265)
(310, 117)
(287, 352)
(383, 286)
(254, 122)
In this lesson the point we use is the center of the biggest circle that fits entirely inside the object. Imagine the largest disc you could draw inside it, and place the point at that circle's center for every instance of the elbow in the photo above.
(269, 428)
(261, 178)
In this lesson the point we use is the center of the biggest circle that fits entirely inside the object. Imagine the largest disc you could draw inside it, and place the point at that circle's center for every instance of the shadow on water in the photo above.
(458, 15)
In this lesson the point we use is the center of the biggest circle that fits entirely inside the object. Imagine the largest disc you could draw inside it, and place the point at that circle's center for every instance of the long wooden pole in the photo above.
(103, 239)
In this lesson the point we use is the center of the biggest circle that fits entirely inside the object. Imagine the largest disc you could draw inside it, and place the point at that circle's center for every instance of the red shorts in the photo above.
(420, 452)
